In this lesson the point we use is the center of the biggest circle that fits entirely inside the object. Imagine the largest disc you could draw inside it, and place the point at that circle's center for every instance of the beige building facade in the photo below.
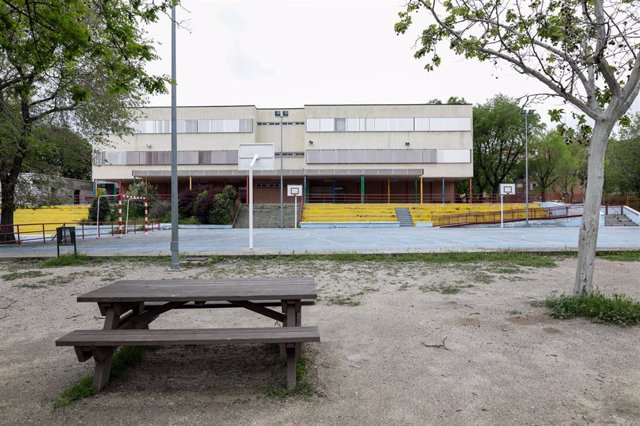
(339, 153)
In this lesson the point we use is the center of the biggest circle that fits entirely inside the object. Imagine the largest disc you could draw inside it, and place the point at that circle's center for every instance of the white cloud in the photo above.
(244, 66)
(232, 19)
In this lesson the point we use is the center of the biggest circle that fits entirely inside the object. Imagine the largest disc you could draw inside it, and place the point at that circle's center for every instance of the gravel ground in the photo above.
(403, 342)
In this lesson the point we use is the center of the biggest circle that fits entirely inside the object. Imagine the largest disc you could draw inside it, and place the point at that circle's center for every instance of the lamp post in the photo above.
(281, 114)
(526, 113)
(175, 255)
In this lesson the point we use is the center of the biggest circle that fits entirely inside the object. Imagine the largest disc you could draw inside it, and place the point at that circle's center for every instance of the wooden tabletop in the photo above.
(204, 290)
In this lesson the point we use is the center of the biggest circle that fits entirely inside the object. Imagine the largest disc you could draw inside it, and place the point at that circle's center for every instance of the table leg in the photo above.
(283, 351)
(298, 310)
(138, 310)
(291, 366)
(103, 356)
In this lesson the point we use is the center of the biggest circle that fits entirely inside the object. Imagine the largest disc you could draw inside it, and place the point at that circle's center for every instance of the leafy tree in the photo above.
(202, 206)
(498, 142)
(584, 52)
(453, 100)
(550, 155)
(623, 171)
(59, 151)
(74, 63)
(222, 209)
(105, 210)
(230, 192)
(572, 172)
(141, 188)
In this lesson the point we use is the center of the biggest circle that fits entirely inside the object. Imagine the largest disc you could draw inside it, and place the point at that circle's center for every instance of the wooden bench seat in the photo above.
(100, 344)
(213, 305)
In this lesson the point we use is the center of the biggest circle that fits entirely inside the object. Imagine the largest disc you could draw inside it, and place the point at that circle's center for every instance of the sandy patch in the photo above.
(380, 361)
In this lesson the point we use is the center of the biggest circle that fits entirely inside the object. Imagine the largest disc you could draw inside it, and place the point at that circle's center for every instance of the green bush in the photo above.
(105, 210)
(618, 309)
(185, 202)
(230, 192)
(161, 210)
(141, 189)
(207, 206)
(222, 209)
(202, 206)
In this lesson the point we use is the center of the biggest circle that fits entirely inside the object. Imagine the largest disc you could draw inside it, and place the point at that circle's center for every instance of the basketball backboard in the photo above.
(507, 188)
(265, 152)
(294, 190)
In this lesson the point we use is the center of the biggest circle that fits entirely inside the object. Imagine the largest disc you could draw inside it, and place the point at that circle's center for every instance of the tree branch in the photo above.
(519, 63)
(601, 45)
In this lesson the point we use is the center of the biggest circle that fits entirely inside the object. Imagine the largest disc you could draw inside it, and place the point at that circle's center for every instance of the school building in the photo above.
(339, 153)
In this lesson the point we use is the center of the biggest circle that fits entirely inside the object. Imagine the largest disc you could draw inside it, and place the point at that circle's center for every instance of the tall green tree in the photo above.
(623, 171)
(550, 155)
(584, 52)
(453, 100)
(59, 151)
(573, 171)
(74, 63)
(498, 142)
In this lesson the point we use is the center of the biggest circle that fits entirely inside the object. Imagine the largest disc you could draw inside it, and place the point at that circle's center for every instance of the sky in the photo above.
(287, 54)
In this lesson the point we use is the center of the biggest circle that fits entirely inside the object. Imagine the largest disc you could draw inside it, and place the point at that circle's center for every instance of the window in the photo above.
(326, 125)
(450, 124)
(313, 125)
(191, 126)
(353, 124)
(204, 126)
(393, 124)
(246, 125)
(389, 124)
(421, 124)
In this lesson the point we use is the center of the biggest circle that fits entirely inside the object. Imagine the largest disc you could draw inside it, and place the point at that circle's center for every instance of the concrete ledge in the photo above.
(632, 214)
(166, 226)
(349, 224)
(424, 224)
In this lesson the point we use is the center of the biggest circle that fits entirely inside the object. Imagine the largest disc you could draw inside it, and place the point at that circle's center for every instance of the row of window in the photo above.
(316, 156)
(374, 124)
(277, 123)
(388, 156)
(242, 125)
(379, 124)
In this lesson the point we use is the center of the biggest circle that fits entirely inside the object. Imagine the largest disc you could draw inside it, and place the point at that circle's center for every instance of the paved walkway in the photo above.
(388, 240)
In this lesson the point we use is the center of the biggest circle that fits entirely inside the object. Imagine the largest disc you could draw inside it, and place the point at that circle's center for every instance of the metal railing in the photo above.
(516, 215)
(27, 232)
(344, 198)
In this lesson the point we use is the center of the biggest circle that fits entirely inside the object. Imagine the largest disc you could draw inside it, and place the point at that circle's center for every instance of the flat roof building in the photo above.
(339, 153)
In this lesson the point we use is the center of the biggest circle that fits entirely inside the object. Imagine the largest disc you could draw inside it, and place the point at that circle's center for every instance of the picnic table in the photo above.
(129, 307)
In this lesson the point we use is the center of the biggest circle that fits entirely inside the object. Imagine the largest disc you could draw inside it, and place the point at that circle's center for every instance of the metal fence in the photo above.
(518, 215)
(27, 232)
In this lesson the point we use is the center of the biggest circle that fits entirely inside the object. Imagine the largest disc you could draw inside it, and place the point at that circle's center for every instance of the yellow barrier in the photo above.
(419, 212)
(53, 214)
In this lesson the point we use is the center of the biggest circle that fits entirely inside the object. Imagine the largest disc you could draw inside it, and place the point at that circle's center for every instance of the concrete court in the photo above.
(322, 241)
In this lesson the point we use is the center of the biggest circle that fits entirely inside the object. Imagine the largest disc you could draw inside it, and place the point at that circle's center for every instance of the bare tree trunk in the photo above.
(591, 216)
(8, 207)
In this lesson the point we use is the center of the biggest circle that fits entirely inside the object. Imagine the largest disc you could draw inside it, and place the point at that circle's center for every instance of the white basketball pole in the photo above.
(295, 212)
(501, 210)
(253, 163)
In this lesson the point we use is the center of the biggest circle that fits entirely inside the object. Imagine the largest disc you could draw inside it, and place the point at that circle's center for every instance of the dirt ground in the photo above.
(503, 360)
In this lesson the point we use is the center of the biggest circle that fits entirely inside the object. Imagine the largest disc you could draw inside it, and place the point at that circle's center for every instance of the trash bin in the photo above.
(66, 236)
